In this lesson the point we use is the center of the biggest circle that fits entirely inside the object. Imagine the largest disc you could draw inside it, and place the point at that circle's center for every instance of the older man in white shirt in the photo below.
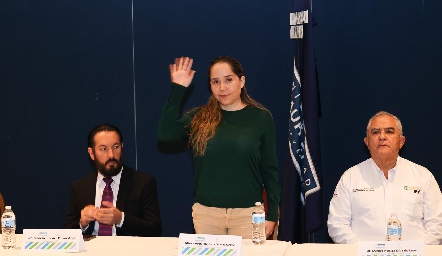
(368, 193)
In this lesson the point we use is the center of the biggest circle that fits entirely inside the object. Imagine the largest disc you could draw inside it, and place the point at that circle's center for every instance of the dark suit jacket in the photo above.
(137, 198)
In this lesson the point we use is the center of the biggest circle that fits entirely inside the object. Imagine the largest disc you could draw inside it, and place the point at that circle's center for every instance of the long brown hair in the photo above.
(203, 125)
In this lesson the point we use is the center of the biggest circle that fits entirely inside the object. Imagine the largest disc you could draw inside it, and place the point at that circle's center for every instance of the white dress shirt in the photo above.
(364, 200)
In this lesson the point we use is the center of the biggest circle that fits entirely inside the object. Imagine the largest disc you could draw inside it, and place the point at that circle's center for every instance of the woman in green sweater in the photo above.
(234, 152)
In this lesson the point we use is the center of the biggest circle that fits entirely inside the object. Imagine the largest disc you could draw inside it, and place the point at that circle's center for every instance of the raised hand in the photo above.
(181, 72)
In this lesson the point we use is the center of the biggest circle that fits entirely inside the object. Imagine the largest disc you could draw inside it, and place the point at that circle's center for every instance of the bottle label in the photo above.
(394, 231)
(258, 218)
(8, 223)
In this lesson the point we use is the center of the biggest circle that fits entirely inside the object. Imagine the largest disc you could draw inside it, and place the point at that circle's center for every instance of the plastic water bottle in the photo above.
(394, 228)
(8, 228)
(258, 224)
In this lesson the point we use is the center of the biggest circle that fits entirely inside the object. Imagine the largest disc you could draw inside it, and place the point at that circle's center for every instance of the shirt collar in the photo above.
(392, 171)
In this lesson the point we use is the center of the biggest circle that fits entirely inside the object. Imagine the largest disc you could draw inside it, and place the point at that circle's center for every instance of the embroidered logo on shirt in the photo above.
(363, 189)
(416, 190)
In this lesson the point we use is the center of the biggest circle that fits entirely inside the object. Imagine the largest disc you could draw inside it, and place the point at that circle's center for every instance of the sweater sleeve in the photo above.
(270, 171)
(171, 128)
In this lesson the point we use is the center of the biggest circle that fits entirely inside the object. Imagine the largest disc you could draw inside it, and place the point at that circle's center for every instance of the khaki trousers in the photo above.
(222, 221)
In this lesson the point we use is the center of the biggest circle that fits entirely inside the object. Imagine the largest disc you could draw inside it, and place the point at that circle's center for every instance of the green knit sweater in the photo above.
(239, 161)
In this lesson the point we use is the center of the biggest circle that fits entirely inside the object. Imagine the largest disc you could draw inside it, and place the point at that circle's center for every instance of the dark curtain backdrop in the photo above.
(66, 66)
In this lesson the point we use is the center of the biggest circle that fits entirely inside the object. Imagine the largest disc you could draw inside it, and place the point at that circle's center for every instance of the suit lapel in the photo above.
(126, 182)
(90, 189)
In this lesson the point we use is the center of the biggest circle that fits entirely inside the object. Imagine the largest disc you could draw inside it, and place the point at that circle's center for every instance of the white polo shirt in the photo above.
(364, 200)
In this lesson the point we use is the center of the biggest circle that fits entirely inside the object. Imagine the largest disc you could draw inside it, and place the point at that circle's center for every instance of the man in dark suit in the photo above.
(115, 200)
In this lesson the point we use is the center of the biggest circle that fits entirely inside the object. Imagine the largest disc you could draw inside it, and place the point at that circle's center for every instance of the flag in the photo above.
(301, 200)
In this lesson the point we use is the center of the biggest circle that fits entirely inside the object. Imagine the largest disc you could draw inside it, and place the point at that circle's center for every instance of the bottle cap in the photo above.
(258, 203)
(8, 207)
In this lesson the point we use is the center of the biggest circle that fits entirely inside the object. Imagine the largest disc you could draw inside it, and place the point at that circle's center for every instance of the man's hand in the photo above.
(270, 226)
(108, 214)
(87, 215)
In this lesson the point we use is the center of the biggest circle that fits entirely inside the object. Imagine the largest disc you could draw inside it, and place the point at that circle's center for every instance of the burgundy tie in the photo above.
(108, 195)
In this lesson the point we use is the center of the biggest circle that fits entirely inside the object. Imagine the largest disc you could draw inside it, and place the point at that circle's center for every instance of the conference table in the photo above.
(148, 246)
(168, 246)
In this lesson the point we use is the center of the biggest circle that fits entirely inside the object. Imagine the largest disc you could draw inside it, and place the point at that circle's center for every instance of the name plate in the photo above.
(391, 248)
(52, 240)
(201, 244)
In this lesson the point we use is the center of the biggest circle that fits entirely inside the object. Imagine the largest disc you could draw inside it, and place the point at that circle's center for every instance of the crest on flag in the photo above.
(298, 145)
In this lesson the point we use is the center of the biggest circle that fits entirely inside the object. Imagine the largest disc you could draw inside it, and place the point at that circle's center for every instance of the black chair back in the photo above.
(2, 207)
